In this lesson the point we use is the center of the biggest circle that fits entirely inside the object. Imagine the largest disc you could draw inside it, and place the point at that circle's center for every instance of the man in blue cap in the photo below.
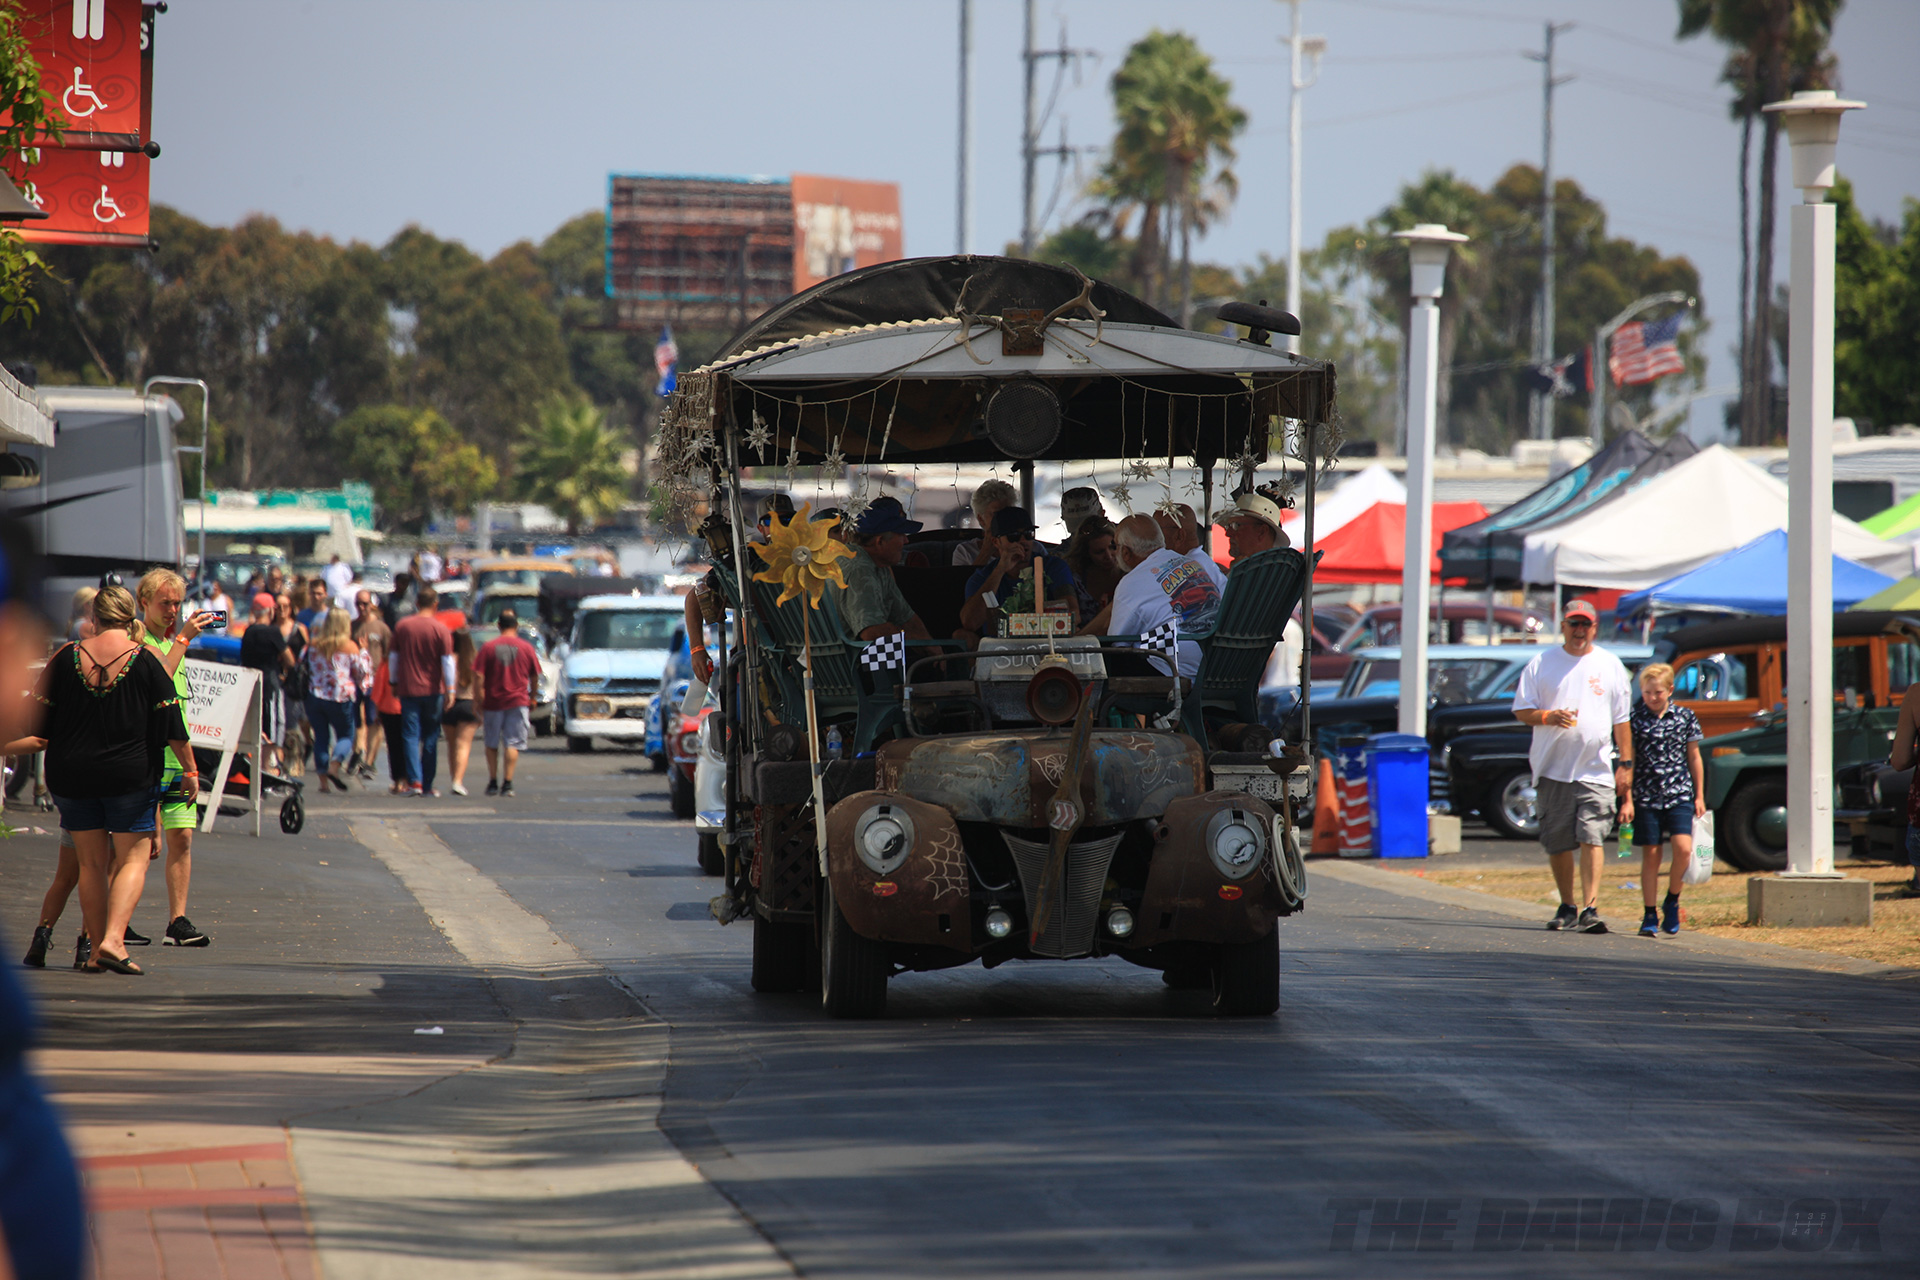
(997, 587)
(872, 604)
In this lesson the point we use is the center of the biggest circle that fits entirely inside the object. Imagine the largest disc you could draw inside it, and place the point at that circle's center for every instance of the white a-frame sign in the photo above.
(224, 715)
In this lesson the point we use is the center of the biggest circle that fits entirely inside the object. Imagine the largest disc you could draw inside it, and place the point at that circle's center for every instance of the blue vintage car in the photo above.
(616, 657)
(666, 704)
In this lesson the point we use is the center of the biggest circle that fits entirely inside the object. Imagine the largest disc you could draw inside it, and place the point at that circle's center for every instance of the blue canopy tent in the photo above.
(1749, 579)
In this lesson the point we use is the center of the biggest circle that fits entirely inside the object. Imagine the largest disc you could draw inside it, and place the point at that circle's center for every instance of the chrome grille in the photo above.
(1070, 922)
(630, 687)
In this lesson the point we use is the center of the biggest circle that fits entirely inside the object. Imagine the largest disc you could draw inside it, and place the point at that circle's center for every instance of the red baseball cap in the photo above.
(1582, 609)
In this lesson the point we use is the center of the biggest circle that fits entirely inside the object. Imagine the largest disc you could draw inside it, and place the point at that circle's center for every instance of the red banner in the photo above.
(92, 197)
(89, 55)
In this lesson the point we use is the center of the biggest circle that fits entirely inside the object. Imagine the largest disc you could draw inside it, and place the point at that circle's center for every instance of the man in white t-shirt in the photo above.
(1577, 699)
(1181, 531)
(1159, 585)
(339, 578)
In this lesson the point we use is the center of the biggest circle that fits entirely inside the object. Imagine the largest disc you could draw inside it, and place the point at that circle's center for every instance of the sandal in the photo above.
(119, 964)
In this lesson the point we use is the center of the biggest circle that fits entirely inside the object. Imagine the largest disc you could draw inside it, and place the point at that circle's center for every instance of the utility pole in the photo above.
(1035, 121)
(963, 194)
(1540, 415)
(1312, 47)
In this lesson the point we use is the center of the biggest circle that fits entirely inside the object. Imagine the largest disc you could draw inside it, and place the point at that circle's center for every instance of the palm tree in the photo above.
(570, 460)
(1777, 47)
(1176, 120)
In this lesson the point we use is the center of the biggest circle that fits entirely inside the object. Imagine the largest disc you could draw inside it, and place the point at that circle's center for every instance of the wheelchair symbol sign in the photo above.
(78, 93)
(104, 209)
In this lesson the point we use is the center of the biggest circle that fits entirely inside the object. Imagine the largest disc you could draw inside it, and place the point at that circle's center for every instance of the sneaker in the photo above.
(137, 939)
(506, 788)
(457, 789)
(82, 951)
(1650, 923)
(181, 933)
(430, 793)
(493, 786)
(1565, 918)
(413, 789)
(1670, 916)
(37, 949)
(1590, 921)
(354, 763)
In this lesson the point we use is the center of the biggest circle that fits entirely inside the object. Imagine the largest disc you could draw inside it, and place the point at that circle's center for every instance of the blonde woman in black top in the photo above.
(110, 713)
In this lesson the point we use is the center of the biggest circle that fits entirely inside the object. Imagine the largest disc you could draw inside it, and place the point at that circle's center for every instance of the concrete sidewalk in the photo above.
(383, 1066)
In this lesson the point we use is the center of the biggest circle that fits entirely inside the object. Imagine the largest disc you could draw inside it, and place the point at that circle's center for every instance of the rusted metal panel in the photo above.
(1005, 778)
(1186, 898)
(927, 899)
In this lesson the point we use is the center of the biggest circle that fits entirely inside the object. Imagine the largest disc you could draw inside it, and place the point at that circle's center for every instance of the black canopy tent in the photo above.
(862, 369)
(1487, 553)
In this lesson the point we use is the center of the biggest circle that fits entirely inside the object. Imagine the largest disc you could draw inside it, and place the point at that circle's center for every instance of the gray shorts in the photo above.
(1573, 813)
(505, 728)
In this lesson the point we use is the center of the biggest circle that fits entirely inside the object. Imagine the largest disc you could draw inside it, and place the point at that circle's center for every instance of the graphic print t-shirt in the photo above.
(1165, 580)
(1595, 687)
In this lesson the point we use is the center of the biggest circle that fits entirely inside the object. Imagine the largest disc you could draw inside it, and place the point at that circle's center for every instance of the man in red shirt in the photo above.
(420, 665)
(508, 668)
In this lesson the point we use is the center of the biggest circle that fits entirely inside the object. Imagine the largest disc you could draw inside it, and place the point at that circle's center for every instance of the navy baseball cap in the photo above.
(1011, 520)
(886, 515)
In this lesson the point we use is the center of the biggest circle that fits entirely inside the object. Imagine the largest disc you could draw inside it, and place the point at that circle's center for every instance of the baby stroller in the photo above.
(237, 796)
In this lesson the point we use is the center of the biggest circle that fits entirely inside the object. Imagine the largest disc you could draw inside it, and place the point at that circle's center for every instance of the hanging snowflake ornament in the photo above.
(802, 559)
(1121, 494)
(793, 462)
(857, 505)
(1141, 469)
(759, 437)
(835, 460)
(1168, 507)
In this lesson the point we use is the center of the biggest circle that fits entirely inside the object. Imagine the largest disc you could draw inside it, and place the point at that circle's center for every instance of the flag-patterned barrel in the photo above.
(1356, 804)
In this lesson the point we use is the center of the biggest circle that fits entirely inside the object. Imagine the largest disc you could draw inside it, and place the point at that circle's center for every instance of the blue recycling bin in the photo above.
(1397, 780)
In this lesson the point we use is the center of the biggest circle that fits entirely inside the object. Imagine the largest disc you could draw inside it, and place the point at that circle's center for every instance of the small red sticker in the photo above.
(1229, 891)
(885, 888)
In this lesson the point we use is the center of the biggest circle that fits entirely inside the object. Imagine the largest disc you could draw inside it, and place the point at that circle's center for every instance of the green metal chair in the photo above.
(841, 687)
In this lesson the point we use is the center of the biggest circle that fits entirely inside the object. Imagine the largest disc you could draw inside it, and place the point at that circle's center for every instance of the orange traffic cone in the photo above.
(1326, 811)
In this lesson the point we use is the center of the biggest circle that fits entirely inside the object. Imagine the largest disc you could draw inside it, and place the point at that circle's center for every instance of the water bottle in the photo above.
(1626, 839)
(835, 744)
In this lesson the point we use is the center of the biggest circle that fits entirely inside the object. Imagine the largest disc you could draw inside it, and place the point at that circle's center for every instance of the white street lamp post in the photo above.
(1428, 245)
(1299, 47)
(1812, 121)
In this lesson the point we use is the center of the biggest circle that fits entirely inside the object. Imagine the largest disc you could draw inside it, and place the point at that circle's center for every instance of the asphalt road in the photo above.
(1440, 1081)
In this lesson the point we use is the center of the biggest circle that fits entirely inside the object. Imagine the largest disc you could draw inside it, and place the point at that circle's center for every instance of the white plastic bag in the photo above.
(1700, 868)
(695, 699)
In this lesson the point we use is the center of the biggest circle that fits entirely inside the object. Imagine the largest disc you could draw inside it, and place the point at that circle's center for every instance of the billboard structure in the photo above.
(714, 252)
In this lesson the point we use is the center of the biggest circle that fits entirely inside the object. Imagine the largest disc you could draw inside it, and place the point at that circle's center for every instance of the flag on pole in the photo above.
(1645, 351)
(666, 359)
(887, 653)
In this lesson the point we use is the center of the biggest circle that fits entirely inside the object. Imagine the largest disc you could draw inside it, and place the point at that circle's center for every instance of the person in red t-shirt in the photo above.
(508, 667)
(420, 665)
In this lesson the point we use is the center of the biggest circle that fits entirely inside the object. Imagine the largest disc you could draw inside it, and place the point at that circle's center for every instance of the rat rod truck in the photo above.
(1012, 801)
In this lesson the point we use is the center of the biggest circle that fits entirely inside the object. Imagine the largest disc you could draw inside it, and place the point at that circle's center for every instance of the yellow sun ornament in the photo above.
(802, 558)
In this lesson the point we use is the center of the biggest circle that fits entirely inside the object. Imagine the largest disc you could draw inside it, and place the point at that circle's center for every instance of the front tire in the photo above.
(1512, 807)
(579, 746)
(853, 969)
(781, 957)
(1246, 978)
(1751, 829)
(713, 859)
(680, 794)
(659, 763)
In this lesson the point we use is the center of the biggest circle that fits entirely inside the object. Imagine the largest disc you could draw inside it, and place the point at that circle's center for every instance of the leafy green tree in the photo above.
(1176, 122)
(416, 462)
(1876, 304)
(29, 118)
(1776, 47)
(571, 461)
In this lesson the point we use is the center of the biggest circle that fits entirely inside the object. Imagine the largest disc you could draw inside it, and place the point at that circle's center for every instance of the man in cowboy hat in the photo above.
(1252, 524)
(872, 604)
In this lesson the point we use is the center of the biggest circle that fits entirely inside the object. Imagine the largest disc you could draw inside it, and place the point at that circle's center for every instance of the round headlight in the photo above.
(1236, 842)
(1119, 922)
(882, 838)
(999, 923)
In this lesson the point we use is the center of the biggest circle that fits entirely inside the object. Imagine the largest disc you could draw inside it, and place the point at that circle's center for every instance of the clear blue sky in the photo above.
(489, 122)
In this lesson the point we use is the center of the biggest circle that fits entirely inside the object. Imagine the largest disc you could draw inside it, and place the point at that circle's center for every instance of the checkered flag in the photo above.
(886, 652)
(1164, 638)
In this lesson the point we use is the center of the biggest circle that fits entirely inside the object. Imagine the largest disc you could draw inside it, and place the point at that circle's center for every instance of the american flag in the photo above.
(1643, 352)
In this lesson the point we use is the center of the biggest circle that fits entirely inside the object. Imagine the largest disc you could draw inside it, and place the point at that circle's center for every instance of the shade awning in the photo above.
(1752, 579)
(1372, 546)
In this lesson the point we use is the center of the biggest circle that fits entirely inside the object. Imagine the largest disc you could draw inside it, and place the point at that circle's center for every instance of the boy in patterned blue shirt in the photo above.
(1669, 792)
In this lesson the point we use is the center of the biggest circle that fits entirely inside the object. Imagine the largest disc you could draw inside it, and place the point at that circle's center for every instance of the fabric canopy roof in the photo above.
(1372, 546)
(1895, 521)
(1491, 548)
(1904, 594)
(1354, 496)
(1749, 579)
(1705, 507)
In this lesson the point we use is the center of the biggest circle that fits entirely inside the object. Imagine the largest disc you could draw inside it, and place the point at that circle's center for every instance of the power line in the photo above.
(1471, 96)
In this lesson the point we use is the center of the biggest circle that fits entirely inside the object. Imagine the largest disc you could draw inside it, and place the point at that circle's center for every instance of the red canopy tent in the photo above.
(1372, 546)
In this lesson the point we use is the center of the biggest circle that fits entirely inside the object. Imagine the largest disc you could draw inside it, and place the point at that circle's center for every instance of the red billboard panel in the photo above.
(90, 65)
(91, 197)
(840, 224)
(705, 252)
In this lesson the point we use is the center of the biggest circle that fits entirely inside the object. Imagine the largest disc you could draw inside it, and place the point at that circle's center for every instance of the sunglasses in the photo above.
(1579, 622)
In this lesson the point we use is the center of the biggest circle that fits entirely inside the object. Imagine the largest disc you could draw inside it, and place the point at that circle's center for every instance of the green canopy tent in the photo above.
(1895, 520)
(1902, 595)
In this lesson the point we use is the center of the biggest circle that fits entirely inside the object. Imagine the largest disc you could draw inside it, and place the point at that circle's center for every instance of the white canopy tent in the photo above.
(1355, 495)
(1706, 506)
